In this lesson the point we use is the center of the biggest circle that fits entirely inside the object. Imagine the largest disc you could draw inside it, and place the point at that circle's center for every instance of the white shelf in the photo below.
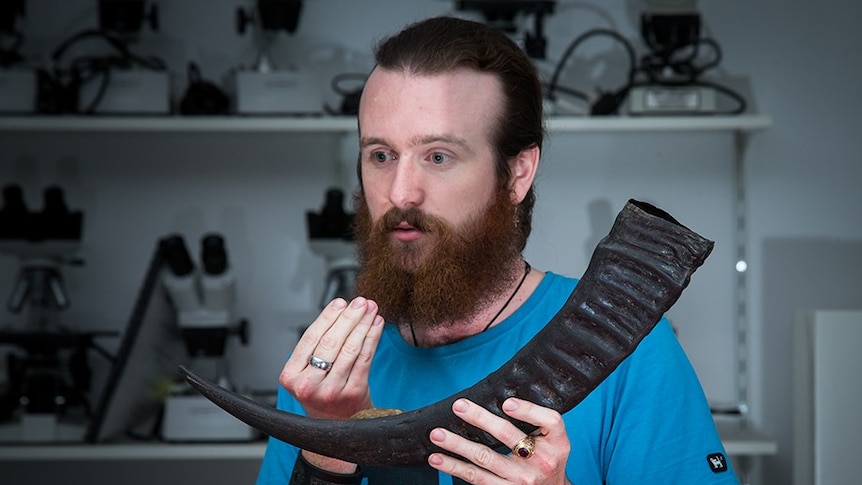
(745, 123)
(133, 451)
(737, 442)
(155, 124)
(740, 439)
(347, 124)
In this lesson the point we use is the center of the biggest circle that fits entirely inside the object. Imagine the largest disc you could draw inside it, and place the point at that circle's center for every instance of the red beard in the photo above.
(452, 275)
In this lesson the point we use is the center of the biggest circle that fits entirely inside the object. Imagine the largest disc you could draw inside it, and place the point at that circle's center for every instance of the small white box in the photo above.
(132, 91)
(278, 92)
(654, 100)
(193, 418)
(17, 91)
(38, 427)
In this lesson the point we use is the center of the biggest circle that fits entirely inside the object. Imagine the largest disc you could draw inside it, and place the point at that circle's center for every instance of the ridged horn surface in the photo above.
(636, 273)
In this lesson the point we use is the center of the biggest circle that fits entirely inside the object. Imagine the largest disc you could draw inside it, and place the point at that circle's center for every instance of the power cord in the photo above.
(673, 67)
(59, 88)
(608, 102)
(350, 97)
(203, 97)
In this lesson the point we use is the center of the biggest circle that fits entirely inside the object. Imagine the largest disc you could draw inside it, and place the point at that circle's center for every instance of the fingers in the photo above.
(326, 336)
(352, 361)
(545, 465)
(341, 342)
(344, 335)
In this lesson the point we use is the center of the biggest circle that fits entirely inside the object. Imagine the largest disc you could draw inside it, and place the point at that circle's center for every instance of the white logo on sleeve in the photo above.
(717, 462)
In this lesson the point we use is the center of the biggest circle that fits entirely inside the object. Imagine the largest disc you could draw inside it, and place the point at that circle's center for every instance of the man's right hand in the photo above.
(345, 335)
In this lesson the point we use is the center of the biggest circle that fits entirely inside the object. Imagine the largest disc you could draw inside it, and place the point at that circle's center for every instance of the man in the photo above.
(450, 126)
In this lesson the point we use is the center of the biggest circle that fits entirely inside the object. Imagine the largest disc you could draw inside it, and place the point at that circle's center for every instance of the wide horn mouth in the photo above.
(635, 275)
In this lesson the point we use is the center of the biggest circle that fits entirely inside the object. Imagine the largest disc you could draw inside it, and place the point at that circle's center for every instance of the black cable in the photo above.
(85, 69)
(350, 97)
(656, 64)
(553, 84)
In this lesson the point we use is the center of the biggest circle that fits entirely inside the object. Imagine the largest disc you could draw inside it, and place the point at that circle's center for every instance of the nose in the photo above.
(407, 190)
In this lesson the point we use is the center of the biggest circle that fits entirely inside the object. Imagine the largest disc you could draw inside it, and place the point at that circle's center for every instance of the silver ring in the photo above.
(525, 447)
(321, 364)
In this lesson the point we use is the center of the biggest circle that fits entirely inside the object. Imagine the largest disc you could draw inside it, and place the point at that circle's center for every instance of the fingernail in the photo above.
(378, 320)
(358, 302)
(510, 404)
(460, 405)
(370, 306)
(338, 303)
(438, 435)
(435, 460)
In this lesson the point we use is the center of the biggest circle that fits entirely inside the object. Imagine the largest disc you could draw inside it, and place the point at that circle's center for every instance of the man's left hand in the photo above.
(545, 464)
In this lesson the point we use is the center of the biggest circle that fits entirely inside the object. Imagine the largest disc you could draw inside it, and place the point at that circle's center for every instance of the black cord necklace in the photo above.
(527, 269)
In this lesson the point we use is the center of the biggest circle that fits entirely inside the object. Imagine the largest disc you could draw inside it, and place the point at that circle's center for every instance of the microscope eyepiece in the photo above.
(213, 254)
(177, 255)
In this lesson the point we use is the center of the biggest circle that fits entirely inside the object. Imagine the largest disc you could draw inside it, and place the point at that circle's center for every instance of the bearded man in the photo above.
(451, 131)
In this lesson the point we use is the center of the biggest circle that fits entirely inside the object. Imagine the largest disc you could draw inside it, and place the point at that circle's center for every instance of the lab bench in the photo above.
(228, 463)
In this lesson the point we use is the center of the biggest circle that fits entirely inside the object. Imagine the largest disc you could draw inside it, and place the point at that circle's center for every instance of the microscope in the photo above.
(267, 88)
(48, 373)
(330, 234)
(204, 300)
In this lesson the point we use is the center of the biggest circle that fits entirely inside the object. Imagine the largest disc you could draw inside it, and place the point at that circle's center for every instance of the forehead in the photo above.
(460, 102)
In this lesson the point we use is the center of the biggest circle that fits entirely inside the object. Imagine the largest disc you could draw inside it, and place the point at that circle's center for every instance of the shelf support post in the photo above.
(741, 142)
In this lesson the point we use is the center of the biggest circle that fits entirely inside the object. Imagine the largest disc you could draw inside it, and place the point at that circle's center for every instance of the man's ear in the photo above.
(524, 167)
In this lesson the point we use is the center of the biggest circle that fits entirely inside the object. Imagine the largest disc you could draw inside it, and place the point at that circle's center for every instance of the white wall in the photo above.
(803, 175)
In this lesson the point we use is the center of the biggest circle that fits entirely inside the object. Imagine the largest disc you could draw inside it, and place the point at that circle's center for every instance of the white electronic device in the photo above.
(41, 428)
(194, 418)
(282, 91)
(128, 91)
(672, 100)
(17, 91)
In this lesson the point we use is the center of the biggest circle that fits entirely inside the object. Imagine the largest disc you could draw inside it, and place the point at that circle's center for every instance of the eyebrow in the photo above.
(371, 140)
(419, 140)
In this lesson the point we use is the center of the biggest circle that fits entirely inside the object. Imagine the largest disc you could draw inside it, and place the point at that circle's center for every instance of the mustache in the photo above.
(413, 216)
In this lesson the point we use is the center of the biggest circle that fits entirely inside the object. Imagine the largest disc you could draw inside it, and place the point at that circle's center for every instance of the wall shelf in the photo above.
(737, 442)
(347, 124)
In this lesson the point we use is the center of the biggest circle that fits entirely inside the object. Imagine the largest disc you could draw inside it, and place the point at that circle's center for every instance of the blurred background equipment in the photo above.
(506, 15)
(268, 88)
(206, 315)
(48, 369)
(145, 365)
(118, 82)
(330, 234)
(17, 80)
(671, 75)
(669, 79)
(203, 97)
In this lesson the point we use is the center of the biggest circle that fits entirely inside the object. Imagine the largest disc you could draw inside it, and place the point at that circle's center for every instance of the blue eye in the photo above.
(438, 158)
(380, 156)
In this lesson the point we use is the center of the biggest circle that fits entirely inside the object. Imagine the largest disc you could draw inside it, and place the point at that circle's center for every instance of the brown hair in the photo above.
(442, 44)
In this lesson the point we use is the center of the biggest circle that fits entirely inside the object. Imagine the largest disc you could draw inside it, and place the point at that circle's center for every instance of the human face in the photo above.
(425, 143)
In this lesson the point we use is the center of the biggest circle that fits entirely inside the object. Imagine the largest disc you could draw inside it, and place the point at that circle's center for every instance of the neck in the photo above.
(502, 305)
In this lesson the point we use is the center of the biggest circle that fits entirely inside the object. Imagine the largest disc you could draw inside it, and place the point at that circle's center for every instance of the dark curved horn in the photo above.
(635, 275)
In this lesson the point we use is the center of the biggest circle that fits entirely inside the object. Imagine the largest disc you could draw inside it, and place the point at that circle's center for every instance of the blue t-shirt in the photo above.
(647, 423)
